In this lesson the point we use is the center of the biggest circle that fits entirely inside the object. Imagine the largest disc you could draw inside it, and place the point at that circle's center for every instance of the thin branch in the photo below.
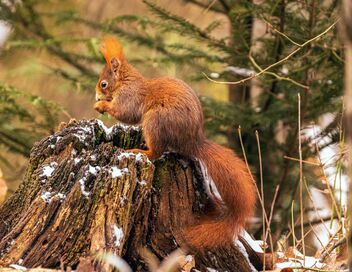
(281, 33)
(276, 75)
(298, 160)
(278, 62)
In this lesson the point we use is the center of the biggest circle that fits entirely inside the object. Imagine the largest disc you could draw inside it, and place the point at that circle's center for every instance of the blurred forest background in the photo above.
(50, 61)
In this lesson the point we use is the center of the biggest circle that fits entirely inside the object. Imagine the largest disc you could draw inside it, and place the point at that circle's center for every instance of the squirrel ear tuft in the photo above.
(111, 48)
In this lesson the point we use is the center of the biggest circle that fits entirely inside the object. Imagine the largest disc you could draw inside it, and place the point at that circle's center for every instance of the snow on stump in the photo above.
(84, 194)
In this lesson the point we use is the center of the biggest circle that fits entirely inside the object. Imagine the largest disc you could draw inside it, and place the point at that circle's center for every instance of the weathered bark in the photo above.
(83, 194)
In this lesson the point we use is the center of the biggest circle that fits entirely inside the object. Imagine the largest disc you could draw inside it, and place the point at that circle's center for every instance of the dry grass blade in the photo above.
(301, 176)
(262, 194)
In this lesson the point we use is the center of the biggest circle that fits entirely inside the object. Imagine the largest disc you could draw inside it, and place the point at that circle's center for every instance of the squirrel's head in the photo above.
(109, 77)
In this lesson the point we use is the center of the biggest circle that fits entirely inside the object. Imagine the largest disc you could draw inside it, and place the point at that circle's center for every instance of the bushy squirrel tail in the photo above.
(233, 183)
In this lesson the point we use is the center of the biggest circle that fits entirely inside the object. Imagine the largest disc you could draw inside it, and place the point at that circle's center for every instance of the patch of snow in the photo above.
(214, 75)
(108, 131)
(313, 262)
(308, 262)
(77, 160)
(117, 172)
(142, 182)
(287, 265)
(93, 169)
(127, 127)
(93, 157)
(87, 129)
(211, 269)
(46, 196)
(52, 146)
(240, 71)
(329, 156)
(210, 186)
(48, 170)
(61, 196)
(20, 261)
(255, 244)
(83, 187)
(18, 267)
(123, 155)
(81, 136)
(123, 200)
(241, 247)
(284, 70)
(118, 233)
(140, 156)
(84, 132)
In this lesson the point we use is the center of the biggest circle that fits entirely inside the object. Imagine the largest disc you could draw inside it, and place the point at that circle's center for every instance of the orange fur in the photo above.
(111, 48)
(172, 120)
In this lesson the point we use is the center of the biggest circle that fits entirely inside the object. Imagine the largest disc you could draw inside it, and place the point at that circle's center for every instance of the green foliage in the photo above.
(24, 119)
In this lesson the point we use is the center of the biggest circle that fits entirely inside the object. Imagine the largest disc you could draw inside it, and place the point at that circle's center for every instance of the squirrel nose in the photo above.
(97, 97)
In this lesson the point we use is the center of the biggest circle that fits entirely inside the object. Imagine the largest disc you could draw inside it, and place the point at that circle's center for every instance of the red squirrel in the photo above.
(171, 117)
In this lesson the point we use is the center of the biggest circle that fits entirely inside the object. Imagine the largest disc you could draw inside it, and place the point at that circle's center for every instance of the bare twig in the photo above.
(281, 33)
(304, 161)
(262, 193)
(276, 75)
(250, 173)
(278, 62)
(301, 175)
(270, 218)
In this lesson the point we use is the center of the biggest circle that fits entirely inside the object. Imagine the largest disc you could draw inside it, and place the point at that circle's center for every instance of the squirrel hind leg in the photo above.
(154, 149)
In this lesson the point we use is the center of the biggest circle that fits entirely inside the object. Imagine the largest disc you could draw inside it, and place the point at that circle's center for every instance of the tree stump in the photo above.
(83, 193)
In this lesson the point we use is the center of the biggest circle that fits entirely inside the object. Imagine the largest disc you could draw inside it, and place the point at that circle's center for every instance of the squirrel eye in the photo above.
(104, 84)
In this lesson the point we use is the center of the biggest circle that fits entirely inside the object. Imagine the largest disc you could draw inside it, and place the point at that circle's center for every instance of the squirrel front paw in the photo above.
(101, 106)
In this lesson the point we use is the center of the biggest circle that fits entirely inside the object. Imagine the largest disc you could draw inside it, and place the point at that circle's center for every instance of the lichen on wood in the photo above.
(83, 193)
